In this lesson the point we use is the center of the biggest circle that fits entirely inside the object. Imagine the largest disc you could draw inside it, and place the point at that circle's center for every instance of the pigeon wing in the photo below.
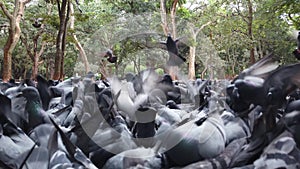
(261, 68)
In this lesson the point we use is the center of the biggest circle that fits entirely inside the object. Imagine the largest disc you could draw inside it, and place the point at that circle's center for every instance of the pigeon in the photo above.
(43, 88)
(14, 109)
(110, 140)
(74, 153)
(296, 52)
(195, 140)
(235, 127)
(171, 91)
(37, 22)
(261, 68)
(268, 89)
(110, 56)
(36, 113)
(15, 145)
(136, 158)
(175, 59)
(6, 85)
(282, 152)
(144, 127)
(172, 105)
(292, 123)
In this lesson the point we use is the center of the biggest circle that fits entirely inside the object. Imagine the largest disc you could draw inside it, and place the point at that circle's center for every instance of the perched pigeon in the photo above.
(175, 59)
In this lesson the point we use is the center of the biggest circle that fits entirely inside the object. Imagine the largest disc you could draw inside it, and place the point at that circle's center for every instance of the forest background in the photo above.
(219, 38)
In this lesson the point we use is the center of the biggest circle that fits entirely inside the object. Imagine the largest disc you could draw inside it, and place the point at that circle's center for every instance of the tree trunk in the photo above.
(35, 67)
(14, 35)
(8, 48)
(192, 54)
(34, 55)
(173, 18)
(191, 73)
(82, 53)
(173, 70)
(37, 54)
(103, 70)
(250, 34)
(163, 15)
(63, 11)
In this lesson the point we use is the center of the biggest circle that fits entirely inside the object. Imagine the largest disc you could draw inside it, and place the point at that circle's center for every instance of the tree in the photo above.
(192, 54)
(35, 35)
(78, 45)
(14, 18)
(199, 17)
(287, 9)
(249, 21)
(64, 14)
(33, 52)
(170, 7)
(244, 9)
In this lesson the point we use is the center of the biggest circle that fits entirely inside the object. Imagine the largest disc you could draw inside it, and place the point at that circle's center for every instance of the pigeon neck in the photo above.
(33, 106)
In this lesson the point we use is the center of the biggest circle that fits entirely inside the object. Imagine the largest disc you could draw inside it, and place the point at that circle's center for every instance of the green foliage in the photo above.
(184, 13)
(288, 9)
(69, 61)
(21, 63)
(132, 28)
(271, 33)
(132, 6)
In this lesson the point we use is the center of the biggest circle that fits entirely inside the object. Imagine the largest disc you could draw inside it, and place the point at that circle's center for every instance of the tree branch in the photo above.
(203, 26)
(16, 8)
(26, 1)
(23, 40)
(240, 14)
(173, 15)
(42, 49)
(6, 12)
(58, 7)
(174, 4)
(163, 15)
(39, 33)
(292, 19)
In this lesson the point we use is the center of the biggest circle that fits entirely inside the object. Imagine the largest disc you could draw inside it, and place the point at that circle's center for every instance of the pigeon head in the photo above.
(244, 92)
(167, 80)
(110, 56)
(129, 76)
(234, 100)
(30, 93)
(90, 75)
(172, 105)
(109, 53)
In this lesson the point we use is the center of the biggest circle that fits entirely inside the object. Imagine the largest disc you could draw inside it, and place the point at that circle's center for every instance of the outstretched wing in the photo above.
(282, 82)
(262, 68)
